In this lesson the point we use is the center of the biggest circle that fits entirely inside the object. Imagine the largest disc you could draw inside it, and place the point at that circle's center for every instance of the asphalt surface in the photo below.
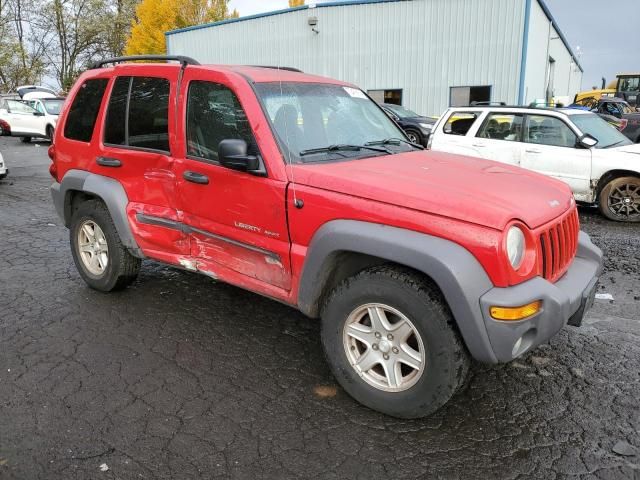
(181, 377)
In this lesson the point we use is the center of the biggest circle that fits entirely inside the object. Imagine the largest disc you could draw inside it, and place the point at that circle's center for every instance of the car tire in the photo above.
(619, 200)
(414, 136)
(102, 260)
(409, 302)
(50, 132)
(25, 139)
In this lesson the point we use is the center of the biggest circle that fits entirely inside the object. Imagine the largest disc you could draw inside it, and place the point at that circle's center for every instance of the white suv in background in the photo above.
(599, 163)
(35, 118)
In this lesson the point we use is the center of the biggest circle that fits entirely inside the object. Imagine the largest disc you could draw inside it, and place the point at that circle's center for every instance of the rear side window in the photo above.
(459, 123)
(84, 110)
(502, 126)
(138, 114)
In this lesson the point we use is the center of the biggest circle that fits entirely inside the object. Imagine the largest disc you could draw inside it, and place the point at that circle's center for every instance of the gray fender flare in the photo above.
(453, 268)
(109, 190)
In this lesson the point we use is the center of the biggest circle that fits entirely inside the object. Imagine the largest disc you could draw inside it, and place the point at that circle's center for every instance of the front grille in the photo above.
(558, 245)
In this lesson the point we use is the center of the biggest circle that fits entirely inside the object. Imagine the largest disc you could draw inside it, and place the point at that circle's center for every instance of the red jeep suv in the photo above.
(302, 189)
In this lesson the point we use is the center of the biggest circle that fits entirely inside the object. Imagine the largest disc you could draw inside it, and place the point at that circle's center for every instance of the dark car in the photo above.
(417, 127)
(611, 108)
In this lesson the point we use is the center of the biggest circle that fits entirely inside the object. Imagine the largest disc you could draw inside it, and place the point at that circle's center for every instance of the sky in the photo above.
(607, 47)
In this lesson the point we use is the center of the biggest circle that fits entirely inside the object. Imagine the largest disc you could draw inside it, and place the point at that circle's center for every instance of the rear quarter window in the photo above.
(83, 112)
(459, 123)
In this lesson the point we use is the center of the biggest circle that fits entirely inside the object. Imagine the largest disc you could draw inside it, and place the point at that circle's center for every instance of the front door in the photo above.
(236, 220)
(550, 148)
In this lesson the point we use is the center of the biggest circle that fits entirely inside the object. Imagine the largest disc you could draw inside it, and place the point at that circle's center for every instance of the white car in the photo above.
(598, 162)
(4, 171)
(29, 119)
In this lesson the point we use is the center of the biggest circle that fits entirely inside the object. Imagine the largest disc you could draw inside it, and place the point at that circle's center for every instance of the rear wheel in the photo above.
(388, 337)
(101, 259)
(620, 199)
(25, 139)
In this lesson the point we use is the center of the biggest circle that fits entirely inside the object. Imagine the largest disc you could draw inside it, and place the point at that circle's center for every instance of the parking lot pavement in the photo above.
(181, 377)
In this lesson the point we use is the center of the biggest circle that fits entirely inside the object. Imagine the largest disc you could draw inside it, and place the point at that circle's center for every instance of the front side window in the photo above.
(138, 113)
(612, 109)
(16, 106)
(214, 114)
(83, 113)
(319, 122)
(546, 130)
(459, 123)
(502, 126)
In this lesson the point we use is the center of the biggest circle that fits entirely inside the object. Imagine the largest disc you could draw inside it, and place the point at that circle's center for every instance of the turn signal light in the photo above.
(516, 313)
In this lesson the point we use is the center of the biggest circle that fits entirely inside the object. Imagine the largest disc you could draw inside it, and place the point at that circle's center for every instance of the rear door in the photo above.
(136, 150)
(550, 148)
(499, 137)
(237, 220)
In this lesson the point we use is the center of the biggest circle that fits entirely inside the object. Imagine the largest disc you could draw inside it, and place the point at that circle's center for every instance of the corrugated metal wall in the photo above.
(545, 43)
(421, 46)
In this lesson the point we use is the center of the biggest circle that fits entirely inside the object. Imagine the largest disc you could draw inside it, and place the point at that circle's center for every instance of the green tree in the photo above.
(21, 59)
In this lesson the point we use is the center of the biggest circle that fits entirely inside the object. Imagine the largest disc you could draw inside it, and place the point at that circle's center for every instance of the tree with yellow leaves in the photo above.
(295, 3)
(155, 17)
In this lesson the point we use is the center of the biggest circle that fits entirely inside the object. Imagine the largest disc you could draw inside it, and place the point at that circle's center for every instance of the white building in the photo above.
(424, 54)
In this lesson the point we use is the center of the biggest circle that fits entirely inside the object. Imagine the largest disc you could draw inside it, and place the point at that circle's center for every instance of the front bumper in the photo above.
(563, 302)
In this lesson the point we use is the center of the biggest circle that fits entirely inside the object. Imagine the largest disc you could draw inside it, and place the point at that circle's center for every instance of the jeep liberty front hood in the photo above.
(478, 191)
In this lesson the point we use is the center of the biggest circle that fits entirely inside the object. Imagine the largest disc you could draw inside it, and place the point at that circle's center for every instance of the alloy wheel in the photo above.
(624, 201)
(92, 247)
(384, 347)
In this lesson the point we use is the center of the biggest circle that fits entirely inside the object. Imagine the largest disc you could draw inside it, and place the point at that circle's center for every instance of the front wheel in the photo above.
(388, 337)
(414, 137)
(619, 200)
(103, 262)
(50, 132)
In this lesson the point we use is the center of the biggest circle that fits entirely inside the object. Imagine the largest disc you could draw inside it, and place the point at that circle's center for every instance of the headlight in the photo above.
(515, 247)
(426, 126)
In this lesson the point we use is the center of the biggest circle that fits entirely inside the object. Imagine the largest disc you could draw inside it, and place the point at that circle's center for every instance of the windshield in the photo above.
(595, 126)
(401, 111)
(629, 84)
(309, 118)
(53, 106)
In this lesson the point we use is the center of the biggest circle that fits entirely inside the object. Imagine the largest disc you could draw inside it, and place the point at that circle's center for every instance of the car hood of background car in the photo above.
(476, 191)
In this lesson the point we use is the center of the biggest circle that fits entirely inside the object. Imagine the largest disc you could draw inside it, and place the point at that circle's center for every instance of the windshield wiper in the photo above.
(614, 144)
(395, 141)
(342, 148)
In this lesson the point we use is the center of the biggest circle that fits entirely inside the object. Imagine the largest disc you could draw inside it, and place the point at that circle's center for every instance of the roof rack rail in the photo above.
(289, 69)
(168, 58)
(487, 104)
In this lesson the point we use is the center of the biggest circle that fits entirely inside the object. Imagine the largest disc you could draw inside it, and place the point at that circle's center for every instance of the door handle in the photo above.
(195, 177)
(532, 150)
(479, 145)
(108, 162)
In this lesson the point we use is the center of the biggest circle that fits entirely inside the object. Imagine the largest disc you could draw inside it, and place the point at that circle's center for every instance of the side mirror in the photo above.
(38, 114)
(232, 153)
(587, 141)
